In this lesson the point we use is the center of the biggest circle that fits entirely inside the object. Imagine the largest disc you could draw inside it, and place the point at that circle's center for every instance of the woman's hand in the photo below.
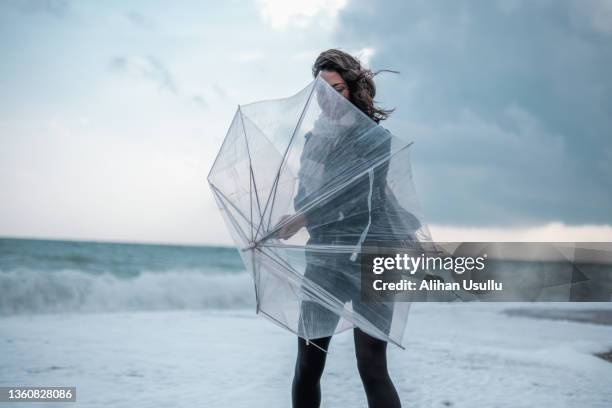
(289, 229)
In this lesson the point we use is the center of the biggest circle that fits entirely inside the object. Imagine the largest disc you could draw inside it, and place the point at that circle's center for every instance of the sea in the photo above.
(144, 325)
(48, 276)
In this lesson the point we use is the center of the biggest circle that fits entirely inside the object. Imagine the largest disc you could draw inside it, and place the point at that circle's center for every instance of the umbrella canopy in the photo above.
(305, 185)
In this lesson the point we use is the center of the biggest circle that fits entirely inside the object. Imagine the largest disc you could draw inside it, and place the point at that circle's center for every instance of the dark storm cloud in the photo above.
(510, 103)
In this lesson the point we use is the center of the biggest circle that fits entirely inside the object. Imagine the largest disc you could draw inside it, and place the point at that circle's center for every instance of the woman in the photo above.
(327, 225)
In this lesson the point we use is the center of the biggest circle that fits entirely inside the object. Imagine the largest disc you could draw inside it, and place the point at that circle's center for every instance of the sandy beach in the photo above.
(460, 355)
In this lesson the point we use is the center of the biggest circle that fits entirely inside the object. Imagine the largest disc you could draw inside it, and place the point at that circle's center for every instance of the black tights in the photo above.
(371, 362)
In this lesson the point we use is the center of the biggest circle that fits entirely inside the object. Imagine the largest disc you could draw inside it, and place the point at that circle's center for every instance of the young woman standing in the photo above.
(355, 83)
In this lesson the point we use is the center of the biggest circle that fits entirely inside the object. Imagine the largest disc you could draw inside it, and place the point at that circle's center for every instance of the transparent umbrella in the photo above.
(306, 184)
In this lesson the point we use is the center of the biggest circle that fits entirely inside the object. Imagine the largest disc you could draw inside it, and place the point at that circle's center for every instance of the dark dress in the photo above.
(353, 216)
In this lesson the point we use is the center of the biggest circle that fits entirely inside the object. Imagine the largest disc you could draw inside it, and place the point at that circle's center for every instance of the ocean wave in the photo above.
(31, 291)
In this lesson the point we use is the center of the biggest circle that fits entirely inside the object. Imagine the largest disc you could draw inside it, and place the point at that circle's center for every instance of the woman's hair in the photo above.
(358, 79)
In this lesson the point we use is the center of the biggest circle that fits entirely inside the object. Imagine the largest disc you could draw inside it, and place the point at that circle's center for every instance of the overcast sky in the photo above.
(112, 112)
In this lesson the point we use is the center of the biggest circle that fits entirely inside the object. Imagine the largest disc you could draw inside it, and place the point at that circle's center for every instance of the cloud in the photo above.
(140, 20)
(154, 70)
(200, 101)
(281, 14)
(248, 56)
(508, 102)
(148, 67)
(595, 14)
(365, 55)
(55, 8)
(219, 91)
(552, 232)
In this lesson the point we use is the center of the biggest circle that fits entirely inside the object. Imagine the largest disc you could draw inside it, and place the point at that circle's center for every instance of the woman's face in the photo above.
(335, 80)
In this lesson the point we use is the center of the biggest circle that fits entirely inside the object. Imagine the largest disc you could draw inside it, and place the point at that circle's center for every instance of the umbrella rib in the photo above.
(284, 264)
(354, 318)
(284, 326)
(276, 150)
(324, 294)
(328, 194)
(283, 161)
(255, 282)
(232, 219)
(327, 248)
(223, 199)
(225, 140)
(363, 172)
(232, 204)
(325, 297)
(252, 183)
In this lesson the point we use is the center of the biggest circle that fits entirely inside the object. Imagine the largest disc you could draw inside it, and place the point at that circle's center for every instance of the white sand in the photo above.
(460, 355)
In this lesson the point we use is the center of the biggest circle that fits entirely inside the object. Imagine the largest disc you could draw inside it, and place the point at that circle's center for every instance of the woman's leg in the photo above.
(306, 390)
(372, 363)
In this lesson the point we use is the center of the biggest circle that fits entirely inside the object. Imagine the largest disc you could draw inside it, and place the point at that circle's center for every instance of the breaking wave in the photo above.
(34, 291)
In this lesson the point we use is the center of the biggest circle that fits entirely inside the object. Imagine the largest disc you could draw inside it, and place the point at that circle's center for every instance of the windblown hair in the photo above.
(359, 80)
